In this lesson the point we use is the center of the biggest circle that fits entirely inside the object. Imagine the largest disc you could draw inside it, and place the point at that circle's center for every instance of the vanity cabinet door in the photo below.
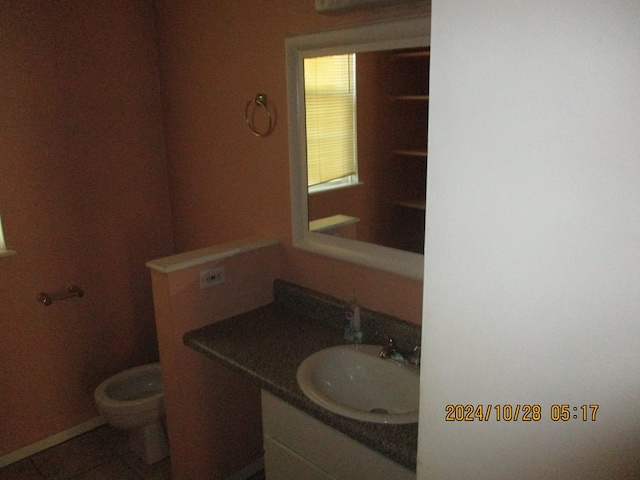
(282, 463)
(294, 440)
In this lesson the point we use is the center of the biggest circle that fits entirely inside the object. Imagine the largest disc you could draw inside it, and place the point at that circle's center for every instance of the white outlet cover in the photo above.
(211, 277)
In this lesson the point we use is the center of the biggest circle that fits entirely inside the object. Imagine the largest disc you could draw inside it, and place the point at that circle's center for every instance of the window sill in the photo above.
(334, 187)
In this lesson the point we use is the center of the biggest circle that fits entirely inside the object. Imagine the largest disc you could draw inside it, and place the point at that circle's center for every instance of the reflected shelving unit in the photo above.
(408, 91)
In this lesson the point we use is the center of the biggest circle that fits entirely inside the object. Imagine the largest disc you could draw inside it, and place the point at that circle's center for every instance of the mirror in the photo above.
(379, 220)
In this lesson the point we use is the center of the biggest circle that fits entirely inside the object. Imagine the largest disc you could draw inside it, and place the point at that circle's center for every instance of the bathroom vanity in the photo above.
(299, 446)
(266, 346)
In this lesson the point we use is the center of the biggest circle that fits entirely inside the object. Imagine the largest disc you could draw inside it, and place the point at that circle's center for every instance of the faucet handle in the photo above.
(389, 349)
(415, 356)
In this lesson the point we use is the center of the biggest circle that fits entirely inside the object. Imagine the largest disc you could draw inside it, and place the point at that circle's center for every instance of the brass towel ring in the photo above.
(259, 102)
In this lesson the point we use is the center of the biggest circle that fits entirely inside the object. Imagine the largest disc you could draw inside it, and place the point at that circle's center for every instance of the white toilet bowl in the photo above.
(133, 400)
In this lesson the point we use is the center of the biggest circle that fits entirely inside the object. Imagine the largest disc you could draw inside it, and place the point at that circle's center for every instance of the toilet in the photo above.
(133, 400)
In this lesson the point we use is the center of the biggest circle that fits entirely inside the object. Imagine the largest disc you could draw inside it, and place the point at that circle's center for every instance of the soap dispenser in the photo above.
(352, 328)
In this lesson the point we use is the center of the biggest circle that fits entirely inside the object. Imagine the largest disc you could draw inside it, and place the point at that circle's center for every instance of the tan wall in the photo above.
(83, 198)
(83, 188)
(225, 182)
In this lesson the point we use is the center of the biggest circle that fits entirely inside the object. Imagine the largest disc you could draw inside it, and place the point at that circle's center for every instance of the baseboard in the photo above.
(51, 441)
(249, 470)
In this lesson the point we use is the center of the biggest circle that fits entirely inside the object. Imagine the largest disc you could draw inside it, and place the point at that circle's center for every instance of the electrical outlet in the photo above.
(209, 278)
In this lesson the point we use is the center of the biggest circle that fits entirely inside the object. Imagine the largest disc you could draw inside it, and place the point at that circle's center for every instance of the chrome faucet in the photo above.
(389, 349)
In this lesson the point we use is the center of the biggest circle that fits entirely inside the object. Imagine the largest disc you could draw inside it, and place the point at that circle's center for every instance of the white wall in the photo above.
(532, 275)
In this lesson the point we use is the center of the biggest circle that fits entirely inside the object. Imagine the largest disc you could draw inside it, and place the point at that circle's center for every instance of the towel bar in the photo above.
(47, 299)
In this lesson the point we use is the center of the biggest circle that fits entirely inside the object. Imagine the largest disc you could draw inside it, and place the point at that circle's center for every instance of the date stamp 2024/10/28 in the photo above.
(520, 412)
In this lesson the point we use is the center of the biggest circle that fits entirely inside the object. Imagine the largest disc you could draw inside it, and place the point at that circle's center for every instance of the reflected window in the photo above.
(330, 100)
(3, 247)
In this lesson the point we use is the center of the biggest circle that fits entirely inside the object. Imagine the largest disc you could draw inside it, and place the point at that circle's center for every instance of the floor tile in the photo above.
(73, 457)
(116, 469)
(101, 454)
(22, 470)
(116, 440)
(158, 471)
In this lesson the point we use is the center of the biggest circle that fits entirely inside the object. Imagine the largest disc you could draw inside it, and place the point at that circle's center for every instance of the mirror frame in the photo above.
(404, 32)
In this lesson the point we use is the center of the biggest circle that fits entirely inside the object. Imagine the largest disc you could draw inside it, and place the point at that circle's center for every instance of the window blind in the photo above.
(330, 103)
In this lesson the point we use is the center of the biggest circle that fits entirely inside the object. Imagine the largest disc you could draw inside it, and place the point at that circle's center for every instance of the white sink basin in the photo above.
(353, 381)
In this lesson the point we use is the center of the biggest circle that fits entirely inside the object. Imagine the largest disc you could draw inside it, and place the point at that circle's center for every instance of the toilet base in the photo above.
(150, 442)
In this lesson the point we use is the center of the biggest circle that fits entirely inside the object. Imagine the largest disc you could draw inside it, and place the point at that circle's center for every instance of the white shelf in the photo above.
(411, 153)
(410, 98)
(413, 204)
(416, 54)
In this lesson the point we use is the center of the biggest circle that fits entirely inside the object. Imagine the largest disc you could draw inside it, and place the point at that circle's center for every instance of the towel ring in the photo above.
(260, 101)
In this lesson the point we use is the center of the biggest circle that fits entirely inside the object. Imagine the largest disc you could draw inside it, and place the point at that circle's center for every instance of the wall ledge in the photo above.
(189, 259)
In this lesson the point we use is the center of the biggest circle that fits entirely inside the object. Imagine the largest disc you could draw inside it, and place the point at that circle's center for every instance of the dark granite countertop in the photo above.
(268, 344)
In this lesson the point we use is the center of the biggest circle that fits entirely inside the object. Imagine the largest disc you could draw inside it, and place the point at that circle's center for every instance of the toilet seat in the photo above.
(136, 388)
(133, 400)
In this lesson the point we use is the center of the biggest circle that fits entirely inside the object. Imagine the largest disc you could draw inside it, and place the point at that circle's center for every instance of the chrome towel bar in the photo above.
(48, 299)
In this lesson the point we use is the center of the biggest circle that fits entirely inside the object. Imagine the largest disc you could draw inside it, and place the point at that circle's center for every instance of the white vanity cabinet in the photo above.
(297, 446)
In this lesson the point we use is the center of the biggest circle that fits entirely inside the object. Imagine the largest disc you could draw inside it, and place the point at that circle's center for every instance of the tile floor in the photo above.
(101, 454)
